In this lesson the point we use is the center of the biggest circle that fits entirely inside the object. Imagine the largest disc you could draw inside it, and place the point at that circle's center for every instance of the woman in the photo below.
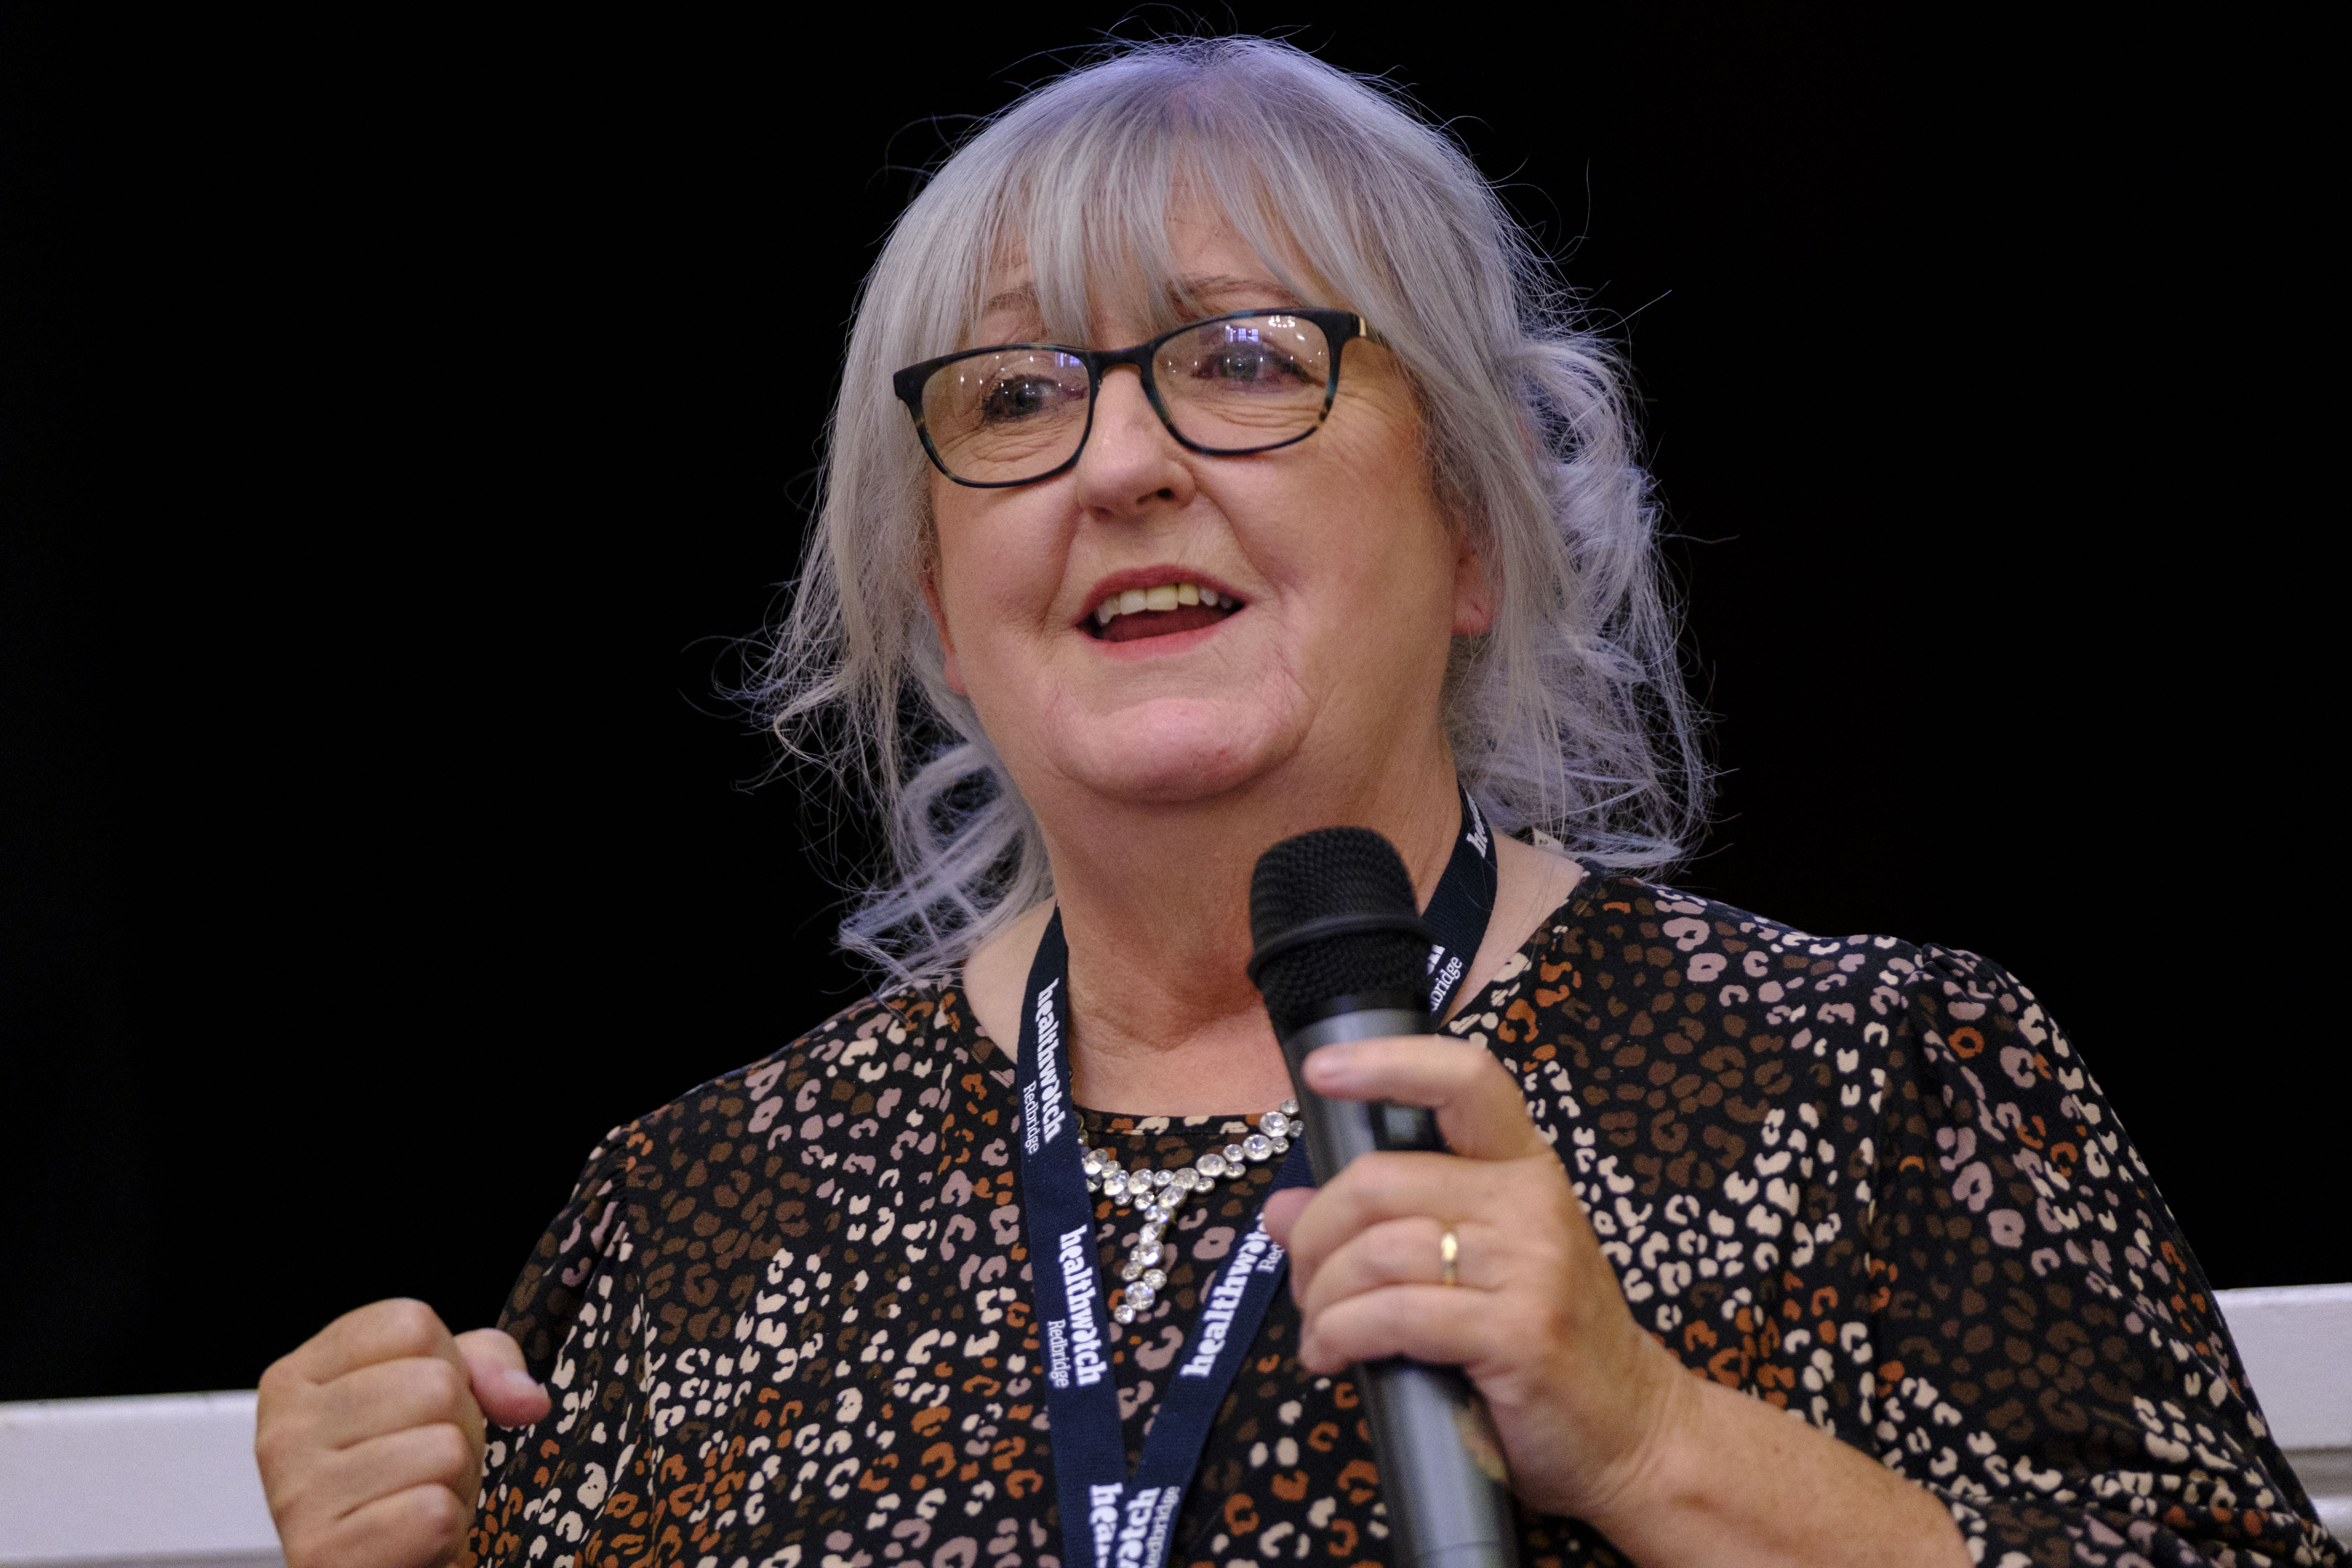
(1761, 1246)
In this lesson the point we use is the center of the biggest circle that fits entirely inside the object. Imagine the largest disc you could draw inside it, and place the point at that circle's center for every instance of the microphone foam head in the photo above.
(1334, 877)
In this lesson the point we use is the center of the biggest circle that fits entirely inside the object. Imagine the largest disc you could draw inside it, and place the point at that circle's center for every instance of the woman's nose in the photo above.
(1131, 461)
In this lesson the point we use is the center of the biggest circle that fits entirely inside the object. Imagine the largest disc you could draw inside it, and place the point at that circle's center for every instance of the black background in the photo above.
(401, 419)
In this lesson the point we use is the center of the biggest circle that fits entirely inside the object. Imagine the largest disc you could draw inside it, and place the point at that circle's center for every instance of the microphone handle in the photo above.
(1441, 1465)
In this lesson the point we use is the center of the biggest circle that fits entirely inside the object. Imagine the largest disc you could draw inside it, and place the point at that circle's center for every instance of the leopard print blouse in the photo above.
(786, 1324)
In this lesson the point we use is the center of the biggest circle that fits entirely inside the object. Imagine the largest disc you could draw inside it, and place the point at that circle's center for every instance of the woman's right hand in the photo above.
(370, 1435)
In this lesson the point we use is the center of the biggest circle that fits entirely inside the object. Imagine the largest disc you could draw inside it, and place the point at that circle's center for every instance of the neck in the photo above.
(1155, 906)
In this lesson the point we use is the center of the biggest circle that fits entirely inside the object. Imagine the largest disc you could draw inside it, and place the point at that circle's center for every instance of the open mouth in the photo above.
(1159, 611)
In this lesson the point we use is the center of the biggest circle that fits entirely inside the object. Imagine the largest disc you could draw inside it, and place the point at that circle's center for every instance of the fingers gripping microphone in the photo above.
(1341, 955)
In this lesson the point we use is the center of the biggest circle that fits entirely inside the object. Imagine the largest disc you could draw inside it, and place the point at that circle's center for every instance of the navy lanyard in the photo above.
(1111, 1518)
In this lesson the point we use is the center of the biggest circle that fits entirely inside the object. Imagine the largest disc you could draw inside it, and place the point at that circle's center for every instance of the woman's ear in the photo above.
(952, 670)
(1474, 592)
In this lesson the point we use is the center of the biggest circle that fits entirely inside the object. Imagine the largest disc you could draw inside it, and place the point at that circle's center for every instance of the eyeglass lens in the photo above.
(1235, 386)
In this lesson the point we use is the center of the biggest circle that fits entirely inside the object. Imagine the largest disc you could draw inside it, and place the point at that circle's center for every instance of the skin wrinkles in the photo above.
(1140, 498)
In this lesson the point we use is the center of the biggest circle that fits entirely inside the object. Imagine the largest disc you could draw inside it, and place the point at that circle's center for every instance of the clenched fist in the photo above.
(370, 1435)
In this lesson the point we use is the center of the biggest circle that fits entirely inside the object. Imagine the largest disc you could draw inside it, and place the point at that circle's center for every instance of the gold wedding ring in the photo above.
(1449, 1249)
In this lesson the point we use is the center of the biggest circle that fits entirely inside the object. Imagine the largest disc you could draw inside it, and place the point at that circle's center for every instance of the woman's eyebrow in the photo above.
(1210, 290)
(1021, 298)
(1205, 286)
(1222, 285)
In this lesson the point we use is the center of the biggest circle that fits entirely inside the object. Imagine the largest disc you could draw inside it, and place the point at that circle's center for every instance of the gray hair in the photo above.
(1568, 717)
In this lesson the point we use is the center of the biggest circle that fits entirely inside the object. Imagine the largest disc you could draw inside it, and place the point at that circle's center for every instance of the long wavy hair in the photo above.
(1568, 717)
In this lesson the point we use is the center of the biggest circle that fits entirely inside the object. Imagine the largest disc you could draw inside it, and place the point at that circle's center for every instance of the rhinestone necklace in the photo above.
(1160, 1192)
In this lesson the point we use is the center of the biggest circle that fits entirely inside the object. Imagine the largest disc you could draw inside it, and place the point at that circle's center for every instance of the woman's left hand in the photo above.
(1583, 1398)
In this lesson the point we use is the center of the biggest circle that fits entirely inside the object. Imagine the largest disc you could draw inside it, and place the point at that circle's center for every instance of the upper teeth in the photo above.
(1167, 597)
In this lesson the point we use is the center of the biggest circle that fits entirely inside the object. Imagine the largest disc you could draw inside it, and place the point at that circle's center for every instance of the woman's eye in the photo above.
(1250, 365)
(1246, 362)
(1023, 398)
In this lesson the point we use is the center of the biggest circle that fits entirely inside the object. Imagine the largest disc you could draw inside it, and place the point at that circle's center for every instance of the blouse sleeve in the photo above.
(569, 1310)
(2052, 1363)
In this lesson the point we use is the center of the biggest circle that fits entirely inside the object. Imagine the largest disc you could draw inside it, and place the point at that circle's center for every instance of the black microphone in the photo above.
(1342, 954)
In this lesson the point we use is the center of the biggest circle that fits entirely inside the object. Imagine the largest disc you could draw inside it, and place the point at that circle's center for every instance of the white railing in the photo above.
(169, 1480)
(2296, 1342)
(163, 1478)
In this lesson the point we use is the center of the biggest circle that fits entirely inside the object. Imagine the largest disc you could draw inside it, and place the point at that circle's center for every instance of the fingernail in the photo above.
(520, 1382)
(1329, 1064)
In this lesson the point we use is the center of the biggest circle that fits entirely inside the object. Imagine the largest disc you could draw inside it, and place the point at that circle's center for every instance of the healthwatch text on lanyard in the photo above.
(1111, 1518)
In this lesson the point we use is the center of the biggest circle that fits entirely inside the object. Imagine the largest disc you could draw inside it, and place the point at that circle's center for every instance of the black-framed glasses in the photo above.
(1018, 413)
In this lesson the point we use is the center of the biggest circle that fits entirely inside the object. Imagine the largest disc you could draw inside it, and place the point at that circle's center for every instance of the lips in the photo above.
(1162, 623)
(1155, 601)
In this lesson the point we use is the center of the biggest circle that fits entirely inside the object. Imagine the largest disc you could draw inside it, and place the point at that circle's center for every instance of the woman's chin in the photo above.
(1169, 782)
(1165, 763)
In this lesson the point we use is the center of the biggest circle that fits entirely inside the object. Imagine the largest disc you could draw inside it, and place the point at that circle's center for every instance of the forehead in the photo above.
(1203, 266)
